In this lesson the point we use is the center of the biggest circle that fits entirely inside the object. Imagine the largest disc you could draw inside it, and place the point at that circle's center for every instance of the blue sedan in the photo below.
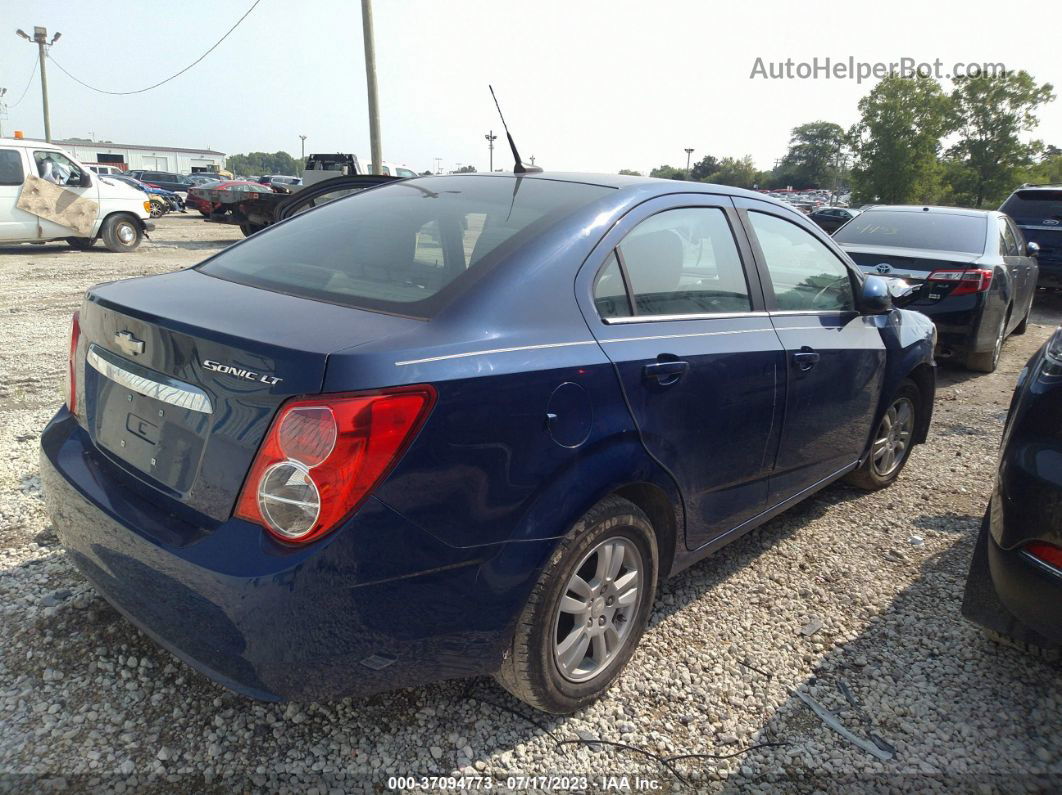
(464, 425)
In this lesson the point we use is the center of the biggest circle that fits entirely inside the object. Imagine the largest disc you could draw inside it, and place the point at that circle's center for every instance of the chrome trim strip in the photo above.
(617, 321)
(808, 328)
(182, 395)
(696, 334)
(1042, 228)
(817, 312)
(495, 350)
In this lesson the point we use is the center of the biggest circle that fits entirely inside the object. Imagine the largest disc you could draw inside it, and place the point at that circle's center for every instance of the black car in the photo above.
(975, 273)
(832, 218)
(164, 179)
(1014, 589)
(1037, 210)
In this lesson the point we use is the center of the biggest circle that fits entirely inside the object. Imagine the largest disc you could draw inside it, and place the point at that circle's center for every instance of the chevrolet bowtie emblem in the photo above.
(129, 344)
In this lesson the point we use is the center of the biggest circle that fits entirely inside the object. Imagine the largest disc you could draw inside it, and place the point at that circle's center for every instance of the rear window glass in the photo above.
(1031, 206)
(930, 230)
(403, 247)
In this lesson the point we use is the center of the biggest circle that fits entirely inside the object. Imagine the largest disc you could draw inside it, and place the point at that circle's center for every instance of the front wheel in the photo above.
(121, 233)
(893, 440)
(587, 612)
(158, 208)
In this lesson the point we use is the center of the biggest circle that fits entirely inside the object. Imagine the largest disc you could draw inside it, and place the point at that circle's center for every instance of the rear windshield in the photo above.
(403, 247)
(930, 230)
(1033, 206)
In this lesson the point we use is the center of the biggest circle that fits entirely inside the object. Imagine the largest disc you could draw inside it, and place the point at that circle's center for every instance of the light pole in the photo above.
(438, 165)
(491, 138)
(3, 110)
(689, 151)
(40, 38)
(370, 78)
(302, 155)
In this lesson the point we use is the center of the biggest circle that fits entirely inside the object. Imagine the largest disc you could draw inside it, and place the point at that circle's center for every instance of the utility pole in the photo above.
(3, 110)
(438, 165)
(370, 78)
(689, 151)
(40, 37)
(491, 138)
(302, 155)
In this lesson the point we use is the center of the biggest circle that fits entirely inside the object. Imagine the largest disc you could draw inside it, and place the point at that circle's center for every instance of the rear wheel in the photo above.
(893, 440)
(121, 233)
(987, 361)
(1022, 327)
(81, 243)
(587, 612)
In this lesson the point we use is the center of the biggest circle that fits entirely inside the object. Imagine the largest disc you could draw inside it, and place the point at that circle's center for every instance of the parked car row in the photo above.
(162, 200)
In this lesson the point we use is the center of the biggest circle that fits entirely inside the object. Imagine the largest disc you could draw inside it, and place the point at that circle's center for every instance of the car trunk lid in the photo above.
(184, 372)
(913, 266)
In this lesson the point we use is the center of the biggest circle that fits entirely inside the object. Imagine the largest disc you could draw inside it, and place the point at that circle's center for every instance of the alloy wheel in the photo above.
(597, 609)
(893, 437)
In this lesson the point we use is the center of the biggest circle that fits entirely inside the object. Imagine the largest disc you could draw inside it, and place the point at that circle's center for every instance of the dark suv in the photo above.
(164, 179)
(1037, 210)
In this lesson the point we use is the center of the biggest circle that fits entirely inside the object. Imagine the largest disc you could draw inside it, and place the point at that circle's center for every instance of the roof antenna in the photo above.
(519, 168)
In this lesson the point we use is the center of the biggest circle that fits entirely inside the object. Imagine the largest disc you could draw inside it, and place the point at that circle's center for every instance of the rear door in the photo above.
(15, 223)
(835, 357)
(1022, 265)
(670, 297)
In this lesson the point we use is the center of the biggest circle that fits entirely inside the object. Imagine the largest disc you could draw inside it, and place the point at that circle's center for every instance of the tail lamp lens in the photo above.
(71, 364)
(1048, 553)
(965, 281)
(323, 456)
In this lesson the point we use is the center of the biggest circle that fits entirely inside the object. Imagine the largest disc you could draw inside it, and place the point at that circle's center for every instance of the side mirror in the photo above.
(1032, 248)
(85, 180)
(876, 298)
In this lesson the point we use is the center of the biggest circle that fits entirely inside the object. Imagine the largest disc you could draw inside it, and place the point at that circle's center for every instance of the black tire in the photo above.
(870, 475)
(987, 361)
(1022, 327)
(530, 670)
(121, 233)
(81, 243)
(158, 208)
(204, 213)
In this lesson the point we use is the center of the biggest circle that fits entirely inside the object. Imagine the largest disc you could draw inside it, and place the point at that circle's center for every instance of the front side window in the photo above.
(805, 274)
(11, 167)
(402, 246)
(57, 167)
(685, 262)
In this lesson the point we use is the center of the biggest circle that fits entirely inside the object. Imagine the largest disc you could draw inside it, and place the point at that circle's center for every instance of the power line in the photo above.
(168, 79)
(28, 84)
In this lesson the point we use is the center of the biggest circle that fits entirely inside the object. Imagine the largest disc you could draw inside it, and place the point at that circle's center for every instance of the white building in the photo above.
(178, 160)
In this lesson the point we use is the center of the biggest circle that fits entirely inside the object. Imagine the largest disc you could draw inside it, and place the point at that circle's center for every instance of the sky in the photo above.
(585, 86)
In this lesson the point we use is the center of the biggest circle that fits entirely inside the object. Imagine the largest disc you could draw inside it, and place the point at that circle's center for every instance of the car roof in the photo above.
(929, 208)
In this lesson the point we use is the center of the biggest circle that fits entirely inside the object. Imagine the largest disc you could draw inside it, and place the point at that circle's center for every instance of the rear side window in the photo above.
(685, 262)
(404, 247)
(610, 293)
(806, 276)
(938, 231)
(1008, 243)
(1034, 206)
(11, 172)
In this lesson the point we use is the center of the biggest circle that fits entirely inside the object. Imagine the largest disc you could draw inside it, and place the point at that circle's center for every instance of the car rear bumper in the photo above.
(377, 604)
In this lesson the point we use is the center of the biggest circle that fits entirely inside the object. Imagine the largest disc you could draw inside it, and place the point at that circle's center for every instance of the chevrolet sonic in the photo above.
(463, 425)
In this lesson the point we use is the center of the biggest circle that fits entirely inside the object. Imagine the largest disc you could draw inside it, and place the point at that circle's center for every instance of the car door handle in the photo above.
(666, 373)
(805, 359)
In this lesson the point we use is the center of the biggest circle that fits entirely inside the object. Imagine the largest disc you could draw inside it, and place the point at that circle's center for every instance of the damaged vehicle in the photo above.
(462, 425)
(46, 195)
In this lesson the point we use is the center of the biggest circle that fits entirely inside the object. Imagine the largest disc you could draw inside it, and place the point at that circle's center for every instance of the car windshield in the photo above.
(1035, 205)
(936, 231)
(402, 247)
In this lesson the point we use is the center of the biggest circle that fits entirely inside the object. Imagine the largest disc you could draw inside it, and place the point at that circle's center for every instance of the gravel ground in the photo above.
(87, 702)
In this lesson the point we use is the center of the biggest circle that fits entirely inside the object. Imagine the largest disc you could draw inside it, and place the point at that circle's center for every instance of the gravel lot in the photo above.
(86, 701)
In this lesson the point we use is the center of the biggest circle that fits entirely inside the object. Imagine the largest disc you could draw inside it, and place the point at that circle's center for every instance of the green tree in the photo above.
(668, 172)
(626, 172)
(814, 156)
(466, 170)
(989, 114)
(704, 168)
(737, 173)
(258, 163)
(897, 140)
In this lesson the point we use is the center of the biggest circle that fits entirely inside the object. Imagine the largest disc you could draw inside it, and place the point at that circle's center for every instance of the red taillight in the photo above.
(971, 281)
(71, 364)
(1048, 553)
(323, 456)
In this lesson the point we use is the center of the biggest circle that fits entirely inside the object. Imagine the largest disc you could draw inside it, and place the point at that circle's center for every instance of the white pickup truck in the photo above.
(45, 195)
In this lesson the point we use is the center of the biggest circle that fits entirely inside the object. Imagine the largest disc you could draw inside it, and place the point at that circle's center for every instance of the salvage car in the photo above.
(977, 275)
(46, 194)
(1014, 589)
(1037, 210)
(462, 425)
